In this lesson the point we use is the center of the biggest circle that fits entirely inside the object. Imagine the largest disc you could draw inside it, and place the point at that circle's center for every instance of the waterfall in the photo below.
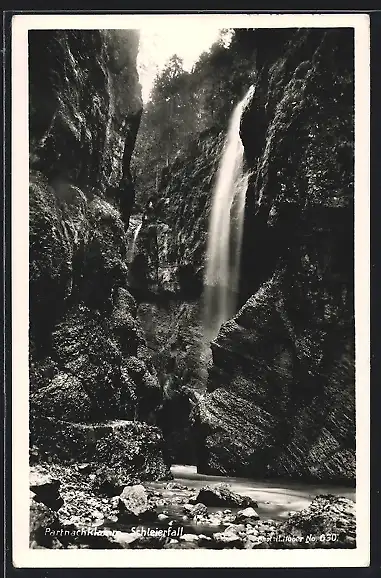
(131, 249)
(225, 228)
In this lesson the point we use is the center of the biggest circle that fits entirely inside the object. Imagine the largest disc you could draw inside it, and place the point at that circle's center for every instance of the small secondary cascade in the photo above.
(225, 228)
(131, 250)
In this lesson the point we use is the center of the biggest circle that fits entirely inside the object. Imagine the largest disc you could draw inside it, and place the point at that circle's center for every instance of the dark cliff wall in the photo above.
(281, 388)
(88, 357)
(85, 107)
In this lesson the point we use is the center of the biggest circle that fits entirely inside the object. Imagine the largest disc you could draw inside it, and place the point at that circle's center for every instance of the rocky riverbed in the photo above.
(70, 510)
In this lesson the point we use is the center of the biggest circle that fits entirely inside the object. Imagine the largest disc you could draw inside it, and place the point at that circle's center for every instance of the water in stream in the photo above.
(275, 498)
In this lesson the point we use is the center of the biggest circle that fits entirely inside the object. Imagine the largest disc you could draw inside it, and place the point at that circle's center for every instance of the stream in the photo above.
(275, 498)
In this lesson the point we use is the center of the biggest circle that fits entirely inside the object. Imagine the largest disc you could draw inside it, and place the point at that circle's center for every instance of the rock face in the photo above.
(173, 332)
(81, 137)
(172, 242)
(85, 107)
(88, 358)
(166, 277)
(281, 388)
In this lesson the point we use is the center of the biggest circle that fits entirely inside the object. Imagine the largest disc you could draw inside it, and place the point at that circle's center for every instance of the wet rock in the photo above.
(193, 510)
(247, 515)
(256, 542)
(204, 541)
(216, 519)
(199, 510)
(236, 528)
(189, 538)
(133, 504)
(45, 489)
(221, 495)
(227, 539)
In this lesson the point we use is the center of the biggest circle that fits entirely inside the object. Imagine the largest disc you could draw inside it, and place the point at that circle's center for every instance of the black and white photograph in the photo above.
(195, 341)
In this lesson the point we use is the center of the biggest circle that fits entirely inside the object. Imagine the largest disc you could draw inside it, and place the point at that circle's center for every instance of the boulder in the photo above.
(227, 539)
(199, 510)
(247, 515)
(221, 495)
(125, 451)
(193, 510)
(133, 504)
(331, 520)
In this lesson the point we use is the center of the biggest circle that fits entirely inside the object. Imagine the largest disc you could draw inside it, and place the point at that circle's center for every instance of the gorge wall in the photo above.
(88, 357)
(279, 398)
(119, 366)
(280, 395)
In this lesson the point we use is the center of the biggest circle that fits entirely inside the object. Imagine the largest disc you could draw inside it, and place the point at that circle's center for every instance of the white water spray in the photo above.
(226, 228)
(131, 249)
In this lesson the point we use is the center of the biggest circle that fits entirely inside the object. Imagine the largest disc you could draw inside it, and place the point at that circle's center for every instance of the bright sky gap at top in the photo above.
(156, 48)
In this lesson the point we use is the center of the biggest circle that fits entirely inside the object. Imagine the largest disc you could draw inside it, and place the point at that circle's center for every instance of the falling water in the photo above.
(225, 229)
(131, 249)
